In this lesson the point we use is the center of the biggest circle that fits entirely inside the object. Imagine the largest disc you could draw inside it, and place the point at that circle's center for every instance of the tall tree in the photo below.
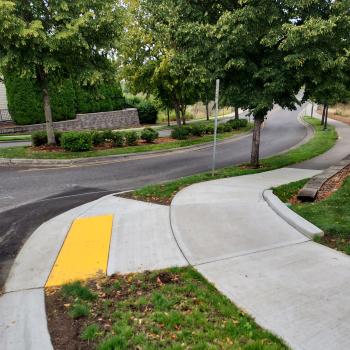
(46, 39)
(319, 44)
(250, 63)
(159, 54)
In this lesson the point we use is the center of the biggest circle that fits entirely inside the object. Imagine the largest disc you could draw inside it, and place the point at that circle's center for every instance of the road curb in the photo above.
(98, 160)
(300, 224)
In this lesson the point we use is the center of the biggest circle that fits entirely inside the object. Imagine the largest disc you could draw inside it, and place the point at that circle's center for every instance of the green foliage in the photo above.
(39, 138)
(228, 127)
(221, 129)
(118, 138)
(210, 129)
(79, 310)
(286, 192)
(108, 135)
(97, 138)
(158, 57)
(131, 138)
(77, 290)
(198, 129)
(91, 332)
(24, 100)
(67, 99)
(76, 141)
(101, 97)
(180, 133)
(149, 135)
(147, 109)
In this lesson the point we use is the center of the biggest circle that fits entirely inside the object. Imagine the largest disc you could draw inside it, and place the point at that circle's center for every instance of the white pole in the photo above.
(216, 124)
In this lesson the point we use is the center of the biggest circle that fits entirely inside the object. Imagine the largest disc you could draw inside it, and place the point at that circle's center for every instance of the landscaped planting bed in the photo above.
(76, 144)
(172, 309)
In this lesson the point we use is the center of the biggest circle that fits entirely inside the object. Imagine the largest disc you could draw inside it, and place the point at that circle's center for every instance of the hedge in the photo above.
(147, 109)
(67, 99)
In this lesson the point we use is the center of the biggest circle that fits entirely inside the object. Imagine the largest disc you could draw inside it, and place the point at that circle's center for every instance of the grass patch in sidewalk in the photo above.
(321, 142)
(331, 215)
(21, 152)
(170, 309)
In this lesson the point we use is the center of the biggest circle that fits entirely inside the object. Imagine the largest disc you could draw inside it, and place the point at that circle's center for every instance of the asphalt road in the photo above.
(29, 197)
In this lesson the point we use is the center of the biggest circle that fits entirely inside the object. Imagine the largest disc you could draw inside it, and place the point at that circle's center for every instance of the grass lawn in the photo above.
(320, 143)
(172, 309)
(28, 153)
(9, 138)
(332, 215)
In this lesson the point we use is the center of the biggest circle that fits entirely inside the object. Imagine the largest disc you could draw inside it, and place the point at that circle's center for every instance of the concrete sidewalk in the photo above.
(141, 239)
(296, 288)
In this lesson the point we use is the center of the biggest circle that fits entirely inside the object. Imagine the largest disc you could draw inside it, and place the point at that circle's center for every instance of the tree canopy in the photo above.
(43, 39)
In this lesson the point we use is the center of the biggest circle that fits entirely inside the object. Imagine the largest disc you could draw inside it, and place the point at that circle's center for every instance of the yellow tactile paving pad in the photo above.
(85, 251)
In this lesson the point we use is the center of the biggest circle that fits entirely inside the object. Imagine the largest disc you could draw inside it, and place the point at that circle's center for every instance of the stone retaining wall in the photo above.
(126, 118)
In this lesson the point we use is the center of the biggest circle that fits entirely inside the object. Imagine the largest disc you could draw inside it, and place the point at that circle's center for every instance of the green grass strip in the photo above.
(321, 142)
(331, 215)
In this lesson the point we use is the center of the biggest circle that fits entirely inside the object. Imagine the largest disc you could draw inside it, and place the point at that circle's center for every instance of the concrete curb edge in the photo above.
(300, 224)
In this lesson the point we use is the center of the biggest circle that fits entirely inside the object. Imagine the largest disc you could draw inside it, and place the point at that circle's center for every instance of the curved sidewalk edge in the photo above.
(141, 240)
(113, 158)
(299, 223)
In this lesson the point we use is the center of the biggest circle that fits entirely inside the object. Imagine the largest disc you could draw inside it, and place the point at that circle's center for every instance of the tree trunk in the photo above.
(183, 113)
(47, 108)
(326, 119)
(236, 113)
(255, 156)
(168, 112)
(207, 109)
(178, 116)
(323, 114)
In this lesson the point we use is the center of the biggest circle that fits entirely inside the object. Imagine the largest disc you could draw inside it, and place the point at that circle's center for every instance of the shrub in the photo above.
(198, 129)
(131, 138)
(210, 129)
(149, 135)
(243, 123)
(221, 129)
(227, 127)
(67, 98)
(97, 138)
(75, 141)
(234, 123)
(180, 133)
(39, 138)
(108, 135)
(118, 139)
(147, 109)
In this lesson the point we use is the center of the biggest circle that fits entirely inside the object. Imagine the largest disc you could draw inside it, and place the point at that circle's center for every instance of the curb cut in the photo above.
(119, 157)
(299, 223)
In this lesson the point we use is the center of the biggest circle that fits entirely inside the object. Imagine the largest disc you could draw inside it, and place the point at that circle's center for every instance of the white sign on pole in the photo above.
(216, 124)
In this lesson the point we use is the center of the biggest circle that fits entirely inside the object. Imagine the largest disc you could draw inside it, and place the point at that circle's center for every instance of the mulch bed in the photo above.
(333, 184)
(328, 188)
(106, 146)
(154, 200)
(65, 331)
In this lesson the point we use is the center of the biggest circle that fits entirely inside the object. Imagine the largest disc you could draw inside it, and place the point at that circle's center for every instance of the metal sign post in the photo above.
(216, 124)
